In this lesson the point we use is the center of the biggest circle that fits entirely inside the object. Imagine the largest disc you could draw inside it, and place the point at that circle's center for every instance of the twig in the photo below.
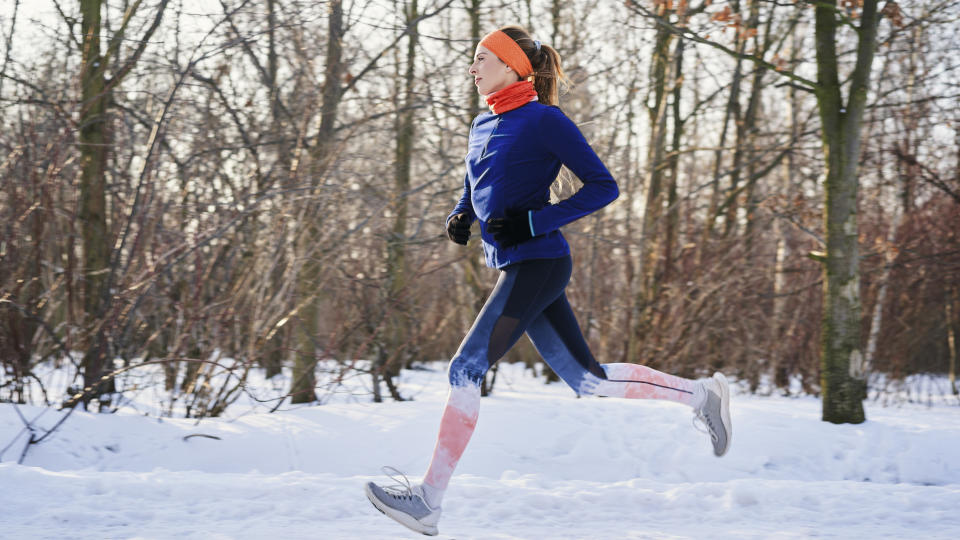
(27, 427)
(185, 437)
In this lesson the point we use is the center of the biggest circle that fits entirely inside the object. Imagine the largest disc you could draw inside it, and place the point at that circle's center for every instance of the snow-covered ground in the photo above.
(542, 465)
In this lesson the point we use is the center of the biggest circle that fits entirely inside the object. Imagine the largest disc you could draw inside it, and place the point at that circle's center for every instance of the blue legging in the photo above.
(529, 297)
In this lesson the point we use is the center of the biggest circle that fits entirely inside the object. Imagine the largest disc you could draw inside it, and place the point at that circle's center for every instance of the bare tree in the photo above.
(94, 143)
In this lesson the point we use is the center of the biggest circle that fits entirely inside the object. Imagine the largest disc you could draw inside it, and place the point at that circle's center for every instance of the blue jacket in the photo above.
(512, 160)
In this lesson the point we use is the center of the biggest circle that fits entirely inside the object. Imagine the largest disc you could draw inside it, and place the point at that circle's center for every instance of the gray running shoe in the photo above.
(714, 412)
(404, 503)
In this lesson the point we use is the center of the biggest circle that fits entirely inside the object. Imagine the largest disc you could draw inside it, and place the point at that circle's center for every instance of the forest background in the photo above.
(197, 194)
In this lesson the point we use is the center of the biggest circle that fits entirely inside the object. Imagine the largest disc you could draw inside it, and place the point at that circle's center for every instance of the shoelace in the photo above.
(402, 489)
(707, 426)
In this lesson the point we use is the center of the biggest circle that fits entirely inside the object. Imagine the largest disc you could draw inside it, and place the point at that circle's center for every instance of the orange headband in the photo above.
(508, 51)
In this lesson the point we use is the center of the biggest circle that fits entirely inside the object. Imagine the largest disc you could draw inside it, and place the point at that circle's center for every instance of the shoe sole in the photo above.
(724, 409)
(404, 519)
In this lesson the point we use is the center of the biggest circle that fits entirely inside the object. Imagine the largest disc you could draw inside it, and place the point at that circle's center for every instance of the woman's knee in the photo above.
(464, 370)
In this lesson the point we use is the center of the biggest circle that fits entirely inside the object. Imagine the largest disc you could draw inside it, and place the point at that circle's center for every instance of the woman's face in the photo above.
(490, 74)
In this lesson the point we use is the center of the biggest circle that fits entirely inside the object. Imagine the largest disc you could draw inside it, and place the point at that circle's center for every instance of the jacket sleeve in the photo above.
(561, 137)
(465, 205)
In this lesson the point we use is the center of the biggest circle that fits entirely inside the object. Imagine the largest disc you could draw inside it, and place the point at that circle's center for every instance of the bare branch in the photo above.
(686, 33)
(114, 44)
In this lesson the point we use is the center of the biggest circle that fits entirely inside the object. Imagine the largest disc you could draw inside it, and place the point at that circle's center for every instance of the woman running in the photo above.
(515, 153)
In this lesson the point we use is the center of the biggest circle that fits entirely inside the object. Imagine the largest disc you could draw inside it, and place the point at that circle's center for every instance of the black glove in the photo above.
(511, 230)
(458, 229)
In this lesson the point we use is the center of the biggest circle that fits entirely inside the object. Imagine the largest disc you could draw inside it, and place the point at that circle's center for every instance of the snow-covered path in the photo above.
(542, 464)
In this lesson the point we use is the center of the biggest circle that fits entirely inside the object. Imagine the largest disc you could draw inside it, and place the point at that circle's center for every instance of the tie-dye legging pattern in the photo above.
(529, 297)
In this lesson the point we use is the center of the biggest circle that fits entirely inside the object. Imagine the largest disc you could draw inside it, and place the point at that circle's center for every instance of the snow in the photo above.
(542, 464)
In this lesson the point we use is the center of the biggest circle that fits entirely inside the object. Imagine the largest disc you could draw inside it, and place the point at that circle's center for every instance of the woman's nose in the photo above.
(472, 69)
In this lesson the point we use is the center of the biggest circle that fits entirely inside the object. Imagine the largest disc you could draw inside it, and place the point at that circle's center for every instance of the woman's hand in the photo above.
(458, 229)
(511, 230)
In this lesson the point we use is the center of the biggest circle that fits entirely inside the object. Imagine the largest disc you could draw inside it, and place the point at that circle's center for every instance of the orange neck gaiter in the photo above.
(511, 97)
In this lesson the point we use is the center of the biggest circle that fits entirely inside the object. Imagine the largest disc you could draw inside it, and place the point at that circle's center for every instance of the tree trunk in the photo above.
(731, 112)
(743, 147)
(750, 122)
(629, 260)
(906, 173)
(93, 202)
(398, 327)
(473, 99)
(842, 378)
(305, 360)
(780, 335)
(672, 231)
(647, 287)
(953, 300)
(272, 351)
